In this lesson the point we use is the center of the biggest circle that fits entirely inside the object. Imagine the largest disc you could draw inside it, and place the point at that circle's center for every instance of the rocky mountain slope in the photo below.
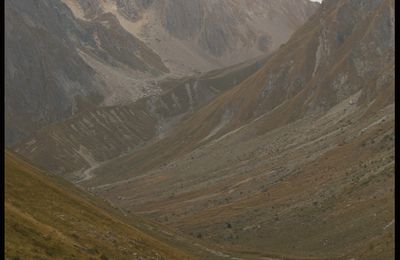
(96, 53)
(52, 59)
(336, 72)
(48, 218)
(296, 160)
(75, 147)
(203, 35)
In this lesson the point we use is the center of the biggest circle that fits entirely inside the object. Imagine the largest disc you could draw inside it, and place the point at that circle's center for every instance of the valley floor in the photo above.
(308, 189)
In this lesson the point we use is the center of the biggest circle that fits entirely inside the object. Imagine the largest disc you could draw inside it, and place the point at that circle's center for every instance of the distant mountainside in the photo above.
(295, 161)
(203, 35)
(85, 53)
(53, 62)
(91, 137)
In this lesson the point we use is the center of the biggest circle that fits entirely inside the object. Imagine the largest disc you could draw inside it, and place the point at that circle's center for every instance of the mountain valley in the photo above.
(211, 129)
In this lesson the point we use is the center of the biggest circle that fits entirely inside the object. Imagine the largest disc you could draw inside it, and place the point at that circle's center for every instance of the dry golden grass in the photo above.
(48, 219)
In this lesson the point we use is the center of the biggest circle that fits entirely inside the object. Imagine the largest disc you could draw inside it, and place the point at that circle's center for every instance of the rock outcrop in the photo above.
(51, 58)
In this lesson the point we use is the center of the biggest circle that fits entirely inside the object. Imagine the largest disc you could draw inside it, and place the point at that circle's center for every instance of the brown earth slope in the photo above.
(47, 218)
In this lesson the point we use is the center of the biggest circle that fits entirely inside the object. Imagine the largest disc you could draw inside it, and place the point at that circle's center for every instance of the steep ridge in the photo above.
(97, 60)
(295, 161)
(203, 35)
(75, 225)
(76, 146)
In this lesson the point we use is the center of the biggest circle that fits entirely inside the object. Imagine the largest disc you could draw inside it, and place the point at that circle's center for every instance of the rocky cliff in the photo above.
(51, 58)
(203, 35)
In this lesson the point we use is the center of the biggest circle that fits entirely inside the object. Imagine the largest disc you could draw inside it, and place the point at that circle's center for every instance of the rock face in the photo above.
(200, 35)
(51, 57)
(220, 33)
(43, 71)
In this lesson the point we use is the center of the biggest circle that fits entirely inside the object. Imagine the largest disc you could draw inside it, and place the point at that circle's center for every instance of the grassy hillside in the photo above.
(48, 219)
